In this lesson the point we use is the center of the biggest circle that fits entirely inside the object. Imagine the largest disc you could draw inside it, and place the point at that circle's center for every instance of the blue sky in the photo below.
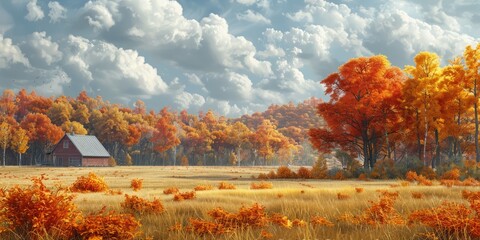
(231, 56)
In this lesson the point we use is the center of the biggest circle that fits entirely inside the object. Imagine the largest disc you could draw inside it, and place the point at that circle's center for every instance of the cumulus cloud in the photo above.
(57, 11)
(254, 17)
(228, 86)
(186, 100)
(10, 54)
(35, 12)
(271, 51)
(116, 72)
(42, 50)
(99, 14)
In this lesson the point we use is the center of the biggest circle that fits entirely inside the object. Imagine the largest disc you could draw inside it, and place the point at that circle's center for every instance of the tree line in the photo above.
(31, 125)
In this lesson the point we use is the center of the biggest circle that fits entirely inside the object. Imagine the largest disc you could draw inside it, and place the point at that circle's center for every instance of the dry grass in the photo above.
(300, 199)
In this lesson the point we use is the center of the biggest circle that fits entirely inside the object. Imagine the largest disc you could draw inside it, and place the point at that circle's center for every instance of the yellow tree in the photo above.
(60, 112)
(265, 139)
(472, 64)
(5, 136)
(238, 137)
(19, 143)
(456, 103)
(425, 77)
(74, 127)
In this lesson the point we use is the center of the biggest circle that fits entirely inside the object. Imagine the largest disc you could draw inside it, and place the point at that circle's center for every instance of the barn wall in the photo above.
(64, 156)
(94, 162)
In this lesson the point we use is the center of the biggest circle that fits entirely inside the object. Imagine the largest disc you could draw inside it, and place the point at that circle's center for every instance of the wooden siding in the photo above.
(94, 162)
(64, 156)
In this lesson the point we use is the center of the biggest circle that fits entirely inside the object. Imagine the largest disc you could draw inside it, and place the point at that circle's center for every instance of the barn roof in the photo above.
(88, 145)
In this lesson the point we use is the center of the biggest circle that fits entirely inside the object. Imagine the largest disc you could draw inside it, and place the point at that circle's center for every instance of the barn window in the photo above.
(65, 144)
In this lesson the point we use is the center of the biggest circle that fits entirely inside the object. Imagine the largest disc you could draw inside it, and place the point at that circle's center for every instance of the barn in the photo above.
(79, 151)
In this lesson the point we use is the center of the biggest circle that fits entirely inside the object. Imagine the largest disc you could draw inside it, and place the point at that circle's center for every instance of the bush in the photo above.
(112, 162)
(320, 169)
(91, 183)
(136, 184)
(384, 169)
(284, 172)
(110, 225)
(304, 173)
(35, 212)
(171, 190)
(428, 172)
(261, 185)
(139, 205)
(184, 196)
(342, 196)
(320, 221)
(453, 174)
(203, 187)
(225, 185)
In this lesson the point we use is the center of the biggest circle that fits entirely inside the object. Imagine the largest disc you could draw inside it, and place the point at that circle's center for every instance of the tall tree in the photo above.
(165, 135)
(5, 137)
(472, 63)
(426, 76)
(356, 112)
(19, 143)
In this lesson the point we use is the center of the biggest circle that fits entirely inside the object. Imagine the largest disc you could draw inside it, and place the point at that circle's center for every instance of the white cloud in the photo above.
(57, 11)
(98, 14)
(271, 51)
(115, 71)
(10, 54)
(41, 49)
(254, 17)
(228, 86)
(35, 12)
(247, 2)
(186, 100)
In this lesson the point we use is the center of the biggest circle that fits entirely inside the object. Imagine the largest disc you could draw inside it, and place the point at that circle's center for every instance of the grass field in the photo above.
(296, 199)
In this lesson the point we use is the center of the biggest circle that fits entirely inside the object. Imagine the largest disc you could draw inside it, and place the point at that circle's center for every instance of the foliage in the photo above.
(203, 187)
(261, 185)
(284, 172)
(226, 185)
(35, 212)
(184, 196)
(342, 196)
(320, 221)
(111, 225)
(136, 184)
(304, 173)
(381, 212)
(139, 205)
(384, 169)
(171, 190)
(320, 169)
(90, 183)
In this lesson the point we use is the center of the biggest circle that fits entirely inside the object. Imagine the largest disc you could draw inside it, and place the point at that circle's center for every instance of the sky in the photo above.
(231, 56)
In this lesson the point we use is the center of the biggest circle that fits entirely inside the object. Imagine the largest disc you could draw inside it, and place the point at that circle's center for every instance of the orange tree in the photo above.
(365, 96)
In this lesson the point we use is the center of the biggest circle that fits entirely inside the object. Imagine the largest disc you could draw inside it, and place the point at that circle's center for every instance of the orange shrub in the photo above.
(470, 182)
(261, 185)
(429, 173)
(136, 184)
(203, 187)
(381, 212)
(342, 196)
(110, 225)
(304, 173)
(271, 175)
(225, 185)
(184, 196)
(284, 172)
(171, 190)
(262, 176)
(139, 205)
(265, 234)
(90, 183)
(453, 174)
(320, 221)
(454, 220)
(299, 223)
(35, 212)
(424, 181)
(280, 220)
(359, 190)
(411, 176)
(224, 221)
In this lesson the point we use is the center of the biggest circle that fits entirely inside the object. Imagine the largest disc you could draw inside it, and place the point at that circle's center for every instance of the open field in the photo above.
(294, 198)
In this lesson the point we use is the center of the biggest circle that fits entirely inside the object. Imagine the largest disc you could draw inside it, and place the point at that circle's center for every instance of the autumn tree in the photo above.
(74, 128)
(110, 127)
(7, 103)
(5, 136)
(472, 64)
(42, 133)
(267, 140)
(238, 136)
(356, 113)
(426, 77)
(19, 143)
(165, 135)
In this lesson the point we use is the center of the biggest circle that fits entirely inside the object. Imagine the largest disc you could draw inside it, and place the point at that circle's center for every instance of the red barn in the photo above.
(79, 151)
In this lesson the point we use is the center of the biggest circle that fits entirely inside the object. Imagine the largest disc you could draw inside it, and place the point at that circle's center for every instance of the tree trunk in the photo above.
(436, 159)
(20, 160)
(4, 150)
(419, 144)
(475, 108)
